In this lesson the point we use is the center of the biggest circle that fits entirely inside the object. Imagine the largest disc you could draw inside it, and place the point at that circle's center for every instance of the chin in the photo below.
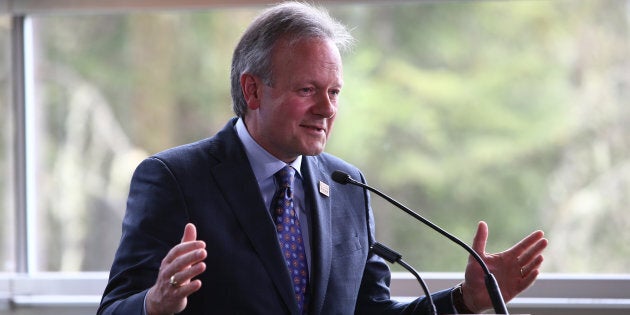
(313, 148)
(314, 151)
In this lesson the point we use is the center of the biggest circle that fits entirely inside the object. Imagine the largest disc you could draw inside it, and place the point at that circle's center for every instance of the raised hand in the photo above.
(515, 269)
(175, 281)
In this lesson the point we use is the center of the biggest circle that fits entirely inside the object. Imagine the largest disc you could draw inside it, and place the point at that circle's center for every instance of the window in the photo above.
(509, 112)
(110, 90)
(466, 116)
(7, 232)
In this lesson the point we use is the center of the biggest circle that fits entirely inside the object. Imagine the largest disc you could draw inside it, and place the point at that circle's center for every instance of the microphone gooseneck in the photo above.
(491, 282)
(394, 257)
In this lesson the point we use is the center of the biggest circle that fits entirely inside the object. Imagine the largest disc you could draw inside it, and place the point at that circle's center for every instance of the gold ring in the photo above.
(522, 275)
(174, 283)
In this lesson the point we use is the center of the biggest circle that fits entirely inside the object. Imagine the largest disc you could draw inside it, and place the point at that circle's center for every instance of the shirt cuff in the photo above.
(457, 298)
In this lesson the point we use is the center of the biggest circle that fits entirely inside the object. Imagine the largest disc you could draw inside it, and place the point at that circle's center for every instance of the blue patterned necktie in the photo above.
(290, 235)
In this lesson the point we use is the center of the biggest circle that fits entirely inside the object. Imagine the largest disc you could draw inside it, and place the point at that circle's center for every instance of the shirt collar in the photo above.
(262, 162)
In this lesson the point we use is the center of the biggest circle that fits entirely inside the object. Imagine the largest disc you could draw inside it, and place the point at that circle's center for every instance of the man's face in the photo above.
(295, 115)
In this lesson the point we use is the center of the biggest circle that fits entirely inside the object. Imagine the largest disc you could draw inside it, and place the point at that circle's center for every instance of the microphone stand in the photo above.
(491, 282)
(394, 257)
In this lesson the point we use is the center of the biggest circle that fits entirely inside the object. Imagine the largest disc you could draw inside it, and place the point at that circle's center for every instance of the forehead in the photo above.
(306, 54)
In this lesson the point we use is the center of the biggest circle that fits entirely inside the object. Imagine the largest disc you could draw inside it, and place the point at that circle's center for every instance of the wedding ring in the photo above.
(174, 283)
(522, 275)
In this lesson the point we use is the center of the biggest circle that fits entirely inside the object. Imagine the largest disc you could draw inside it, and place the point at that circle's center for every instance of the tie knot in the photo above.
(285, 176)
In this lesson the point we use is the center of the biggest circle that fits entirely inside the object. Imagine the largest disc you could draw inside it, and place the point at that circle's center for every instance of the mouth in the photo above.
(314, 128)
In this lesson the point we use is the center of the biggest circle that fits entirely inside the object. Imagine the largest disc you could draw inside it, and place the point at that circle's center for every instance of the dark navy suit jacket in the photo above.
(211, 184)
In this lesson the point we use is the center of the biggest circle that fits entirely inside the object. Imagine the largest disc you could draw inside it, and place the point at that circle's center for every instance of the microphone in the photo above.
(491, 282)
(394, 257)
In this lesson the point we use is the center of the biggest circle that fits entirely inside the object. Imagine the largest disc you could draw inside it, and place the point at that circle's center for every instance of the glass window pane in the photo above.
(508, 112)
(7, 232)
(113, 89)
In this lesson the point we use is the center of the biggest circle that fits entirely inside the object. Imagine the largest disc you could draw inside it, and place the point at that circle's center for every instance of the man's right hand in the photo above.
(169, 294)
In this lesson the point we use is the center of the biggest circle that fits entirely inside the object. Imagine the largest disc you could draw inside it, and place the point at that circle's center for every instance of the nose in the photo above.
(325, 107)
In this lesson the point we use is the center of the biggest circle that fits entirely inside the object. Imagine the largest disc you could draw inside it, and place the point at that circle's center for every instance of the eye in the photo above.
(334, 93)
(306, 91)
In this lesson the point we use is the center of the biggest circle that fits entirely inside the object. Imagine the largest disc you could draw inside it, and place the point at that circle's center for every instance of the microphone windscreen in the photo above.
(340, 177)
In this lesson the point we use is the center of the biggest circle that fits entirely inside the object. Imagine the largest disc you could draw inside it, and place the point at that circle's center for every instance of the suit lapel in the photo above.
(321, 240)
(237, 180)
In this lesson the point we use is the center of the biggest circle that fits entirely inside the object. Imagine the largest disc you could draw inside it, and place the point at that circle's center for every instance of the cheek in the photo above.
(331, 123)
(295, 111)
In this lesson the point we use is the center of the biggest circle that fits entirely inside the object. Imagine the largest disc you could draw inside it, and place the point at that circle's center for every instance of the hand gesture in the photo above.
(174, 284)
(515, 269)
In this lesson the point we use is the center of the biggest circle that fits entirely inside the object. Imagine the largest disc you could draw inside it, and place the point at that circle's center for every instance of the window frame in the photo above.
(551, 294)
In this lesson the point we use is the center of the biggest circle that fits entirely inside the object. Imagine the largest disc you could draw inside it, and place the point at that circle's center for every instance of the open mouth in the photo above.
(314, 128)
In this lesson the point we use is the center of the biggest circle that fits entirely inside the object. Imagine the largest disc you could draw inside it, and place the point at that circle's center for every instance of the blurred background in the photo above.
(511, 112)
(508, 112)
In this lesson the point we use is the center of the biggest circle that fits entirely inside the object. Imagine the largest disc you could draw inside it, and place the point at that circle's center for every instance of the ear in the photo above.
(251, 85)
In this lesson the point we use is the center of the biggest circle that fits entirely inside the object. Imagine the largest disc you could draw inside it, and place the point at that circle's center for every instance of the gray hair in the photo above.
(294, 21)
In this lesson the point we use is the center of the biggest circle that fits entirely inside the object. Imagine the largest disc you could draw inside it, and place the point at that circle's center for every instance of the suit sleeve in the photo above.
(153, 223)
(374, 295)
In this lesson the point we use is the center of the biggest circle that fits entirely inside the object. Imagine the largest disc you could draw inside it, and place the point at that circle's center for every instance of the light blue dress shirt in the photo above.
(265, 166)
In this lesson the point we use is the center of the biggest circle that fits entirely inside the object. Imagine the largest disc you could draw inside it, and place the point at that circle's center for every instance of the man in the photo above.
(235, 256)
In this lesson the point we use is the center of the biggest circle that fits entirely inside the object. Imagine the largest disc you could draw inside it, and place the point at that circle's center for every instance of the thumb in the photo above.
(481, 238)
(190, 233)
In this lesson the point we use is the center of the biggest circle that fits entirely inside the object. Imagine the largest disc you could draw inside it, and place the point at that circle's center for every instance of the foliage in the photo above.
(505, 111)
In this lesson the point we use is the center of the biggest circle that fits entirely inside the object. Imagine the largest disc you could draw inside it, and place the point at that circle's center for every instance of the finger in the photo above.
(182, 249)
(532, 252)
(532, 266)
(185, 276)
(527, 242)
(187, 259)
(528, 280)
(481, 238)
(181, 271)
(190, 233)
(188, 289)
